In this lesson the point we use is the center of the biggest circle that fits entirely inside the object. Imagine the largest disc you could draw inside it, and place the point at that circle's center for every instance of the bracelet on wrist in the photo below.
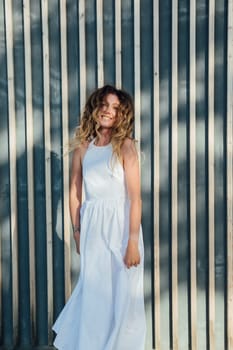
(76, 229)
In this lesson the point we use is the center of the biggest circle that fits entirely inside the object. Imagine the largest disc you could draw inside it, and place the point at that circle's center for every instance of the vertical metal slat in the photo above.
(65, 141)
(174, 180)
(211, 224)
(192, 172)
(82, 53)
(156, 171)
(100, 53)
(229, 176)
(137, 67)
(47, 145)
(118, 74)
(30, 171)
(12, 156)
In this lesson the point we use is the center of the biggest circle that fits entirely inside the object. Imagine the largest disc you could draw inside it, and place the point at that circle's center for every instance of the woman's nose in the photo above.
(107, 109)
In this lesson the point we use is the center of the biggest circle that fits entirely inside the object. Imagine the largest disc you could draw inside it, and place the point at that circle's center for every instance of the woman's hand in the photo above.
(77, 241)
(132, 255)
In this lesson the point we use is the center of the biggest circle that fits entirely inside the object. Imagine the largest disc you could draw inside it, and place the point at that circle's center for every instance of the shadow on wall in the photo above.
(24, 246)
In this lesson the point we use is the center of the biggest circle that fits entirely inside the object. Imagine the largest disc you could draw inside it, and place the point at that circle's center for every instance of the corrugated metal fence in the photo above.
(176, 59)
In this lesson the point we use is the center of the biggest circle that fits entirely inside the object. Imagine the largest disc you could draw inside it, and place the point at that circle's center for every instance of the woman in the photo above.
(106, 308)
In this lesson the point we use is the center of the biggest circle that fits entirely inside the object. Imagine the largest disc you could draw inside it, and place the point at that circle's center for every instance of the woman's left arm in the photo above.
(132, 176)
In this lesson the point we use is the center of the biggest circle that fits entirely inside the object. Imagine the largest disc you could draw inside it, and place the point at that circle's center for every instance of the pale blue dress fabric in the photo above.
(106, 308)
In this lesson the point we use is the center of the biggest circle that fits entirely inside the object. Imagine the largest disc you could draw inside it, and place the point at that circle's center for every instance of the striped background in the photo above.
(176, 59)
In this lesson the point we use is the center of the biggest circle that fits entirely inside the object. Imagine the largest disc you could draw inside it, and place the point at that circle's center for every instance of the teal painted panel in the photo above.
(201, 172)
(109, 40)
(146, 121)
(73, 63)
(165, 223)
(220, 171)
(24, 334)
(39, 180)
(5, 246)
(56, 156)
(91, 46)
(127, 21)
(183, 175)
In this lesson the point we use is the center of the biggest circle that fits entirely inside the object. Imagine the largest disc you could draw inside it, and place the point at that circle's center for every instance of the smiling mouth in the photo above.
(106, 117)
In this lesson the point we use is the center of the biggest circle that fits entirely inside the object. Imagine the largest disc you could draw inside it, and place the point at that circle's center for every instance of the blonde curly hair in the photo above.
(89, 126)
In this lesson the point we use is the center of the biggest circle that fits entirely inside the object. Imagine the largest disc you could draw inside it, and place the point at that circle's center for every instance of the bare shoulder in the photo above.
(77, 153)
(80, 151)
(129, 154)
(129, 147)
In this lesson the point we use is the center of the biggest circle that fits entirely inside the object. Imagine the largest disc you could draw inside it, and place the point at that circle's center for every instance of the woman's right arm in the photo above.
(75, 195)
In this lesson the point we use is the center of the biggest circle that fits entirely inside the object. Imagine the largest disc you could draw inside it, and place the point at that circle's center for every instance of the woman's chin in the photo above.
(106, 126)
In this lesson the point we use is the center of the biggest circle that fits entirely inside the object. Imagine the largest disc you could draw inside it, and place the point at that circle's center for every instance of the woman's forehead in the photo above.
(111, 98)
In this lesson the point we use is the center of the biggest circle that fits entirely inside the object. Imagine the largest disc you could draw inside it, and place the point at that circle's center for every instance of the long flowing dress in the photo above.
(106, 308)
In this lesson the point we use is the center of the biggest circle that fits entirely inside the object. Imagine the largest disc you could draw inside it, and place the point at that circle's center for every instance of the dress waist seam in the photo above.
(112, 199)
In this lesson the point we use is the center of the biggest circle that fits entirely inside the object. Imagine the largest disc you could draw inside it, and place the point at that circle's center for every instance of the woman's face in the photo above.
(108, 111)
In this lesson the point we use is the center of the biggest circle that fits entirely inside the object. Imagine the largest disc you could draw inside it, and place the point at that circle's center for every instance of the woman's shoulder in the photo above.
(82, 146)
(81, 149)
(129, 144)
(129, 150)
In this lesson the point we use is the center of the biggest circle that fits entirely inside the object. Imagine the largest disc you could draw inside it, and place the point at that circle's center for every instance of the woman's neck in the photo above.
(104, 138)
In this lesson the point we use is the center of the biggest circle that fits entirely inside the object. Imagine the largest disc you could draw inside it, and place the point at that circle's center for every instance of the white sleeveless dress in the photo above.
(106, 308)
